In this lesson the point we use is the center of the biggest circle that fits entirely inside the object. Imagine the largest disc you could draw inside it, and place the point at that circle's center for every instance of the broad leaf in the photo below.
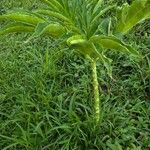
(16, 28)
(111, 42)
(130, 15)
(22, 17)
(60, 18)
(85, 47)
(54, 30)
(79, 43)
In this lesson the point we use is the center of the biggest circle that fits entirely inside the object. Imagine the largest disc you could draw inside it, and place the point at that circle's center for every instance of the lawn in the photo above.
(46, 93)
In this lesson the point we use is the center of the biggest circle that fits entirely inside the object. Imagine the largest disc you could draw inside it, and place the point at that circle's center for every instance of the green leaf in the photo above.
(54, 4)
(96, 21)
(87, 48)
(104, 26)
(16, 28)
(102, 12)
(97, 6)
(111, 42)
(23, 17)
(54, 30)
(130, 15)
(40, 29)
(53, 14)
(61, 19)
(75, 39)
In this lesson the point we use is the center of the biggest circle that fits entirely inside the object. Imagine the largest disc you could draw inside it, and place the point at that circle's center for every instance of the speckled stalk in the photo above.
(97, 105)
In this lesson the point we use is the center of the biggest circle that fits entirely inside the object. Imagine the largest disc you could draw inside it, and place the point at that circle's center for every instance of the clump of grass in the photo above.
(34, 117)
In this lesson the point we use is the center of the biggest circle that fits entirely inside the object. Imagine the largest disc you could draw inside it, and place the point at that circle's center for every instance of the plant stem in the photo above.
(97, 106)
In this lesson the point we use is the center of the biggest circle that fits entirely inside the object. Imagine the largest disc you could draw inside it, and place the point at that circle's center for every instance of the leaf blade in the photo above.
(22, 17)
(111, 42)
(88, 49)
(132, 15)
(16, 28)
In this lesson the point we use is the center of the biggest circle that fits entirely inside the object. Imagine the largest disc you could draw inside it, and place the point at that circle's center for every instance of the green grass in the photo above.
(46, 97)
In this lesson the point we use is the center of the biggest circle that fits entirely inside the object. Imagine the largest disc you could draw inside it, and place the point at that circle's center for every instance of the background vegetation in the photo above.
(46, 98)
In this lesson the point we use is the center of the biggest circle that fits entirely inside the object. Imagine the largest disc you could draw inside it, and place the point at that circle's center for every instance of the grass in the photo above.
(46, 97)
